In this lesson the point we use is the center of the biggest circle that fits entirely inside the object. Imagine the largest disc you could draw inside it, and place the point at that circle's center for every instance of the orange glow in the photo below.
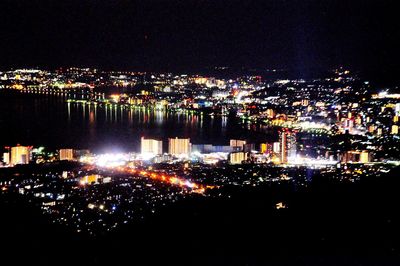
(172, 180)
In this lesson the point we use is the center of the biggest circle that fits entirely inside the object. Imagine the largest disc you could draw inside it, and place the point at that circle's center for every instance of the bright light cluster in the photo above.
(299, 160)
(106, 160)
(173, 180)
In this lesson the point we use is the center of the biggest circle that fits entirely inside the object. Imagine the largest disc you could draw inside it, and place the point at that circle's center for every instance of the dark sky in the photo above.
(189, 34)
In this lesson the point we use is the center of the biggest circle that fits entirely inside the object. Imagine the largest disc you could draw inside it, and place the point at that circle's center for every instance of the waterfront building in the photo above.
(66, 154)
(6, 158)
(237, 144)
(151, 147)
(179, 147)
(20, 155)
(237, 157)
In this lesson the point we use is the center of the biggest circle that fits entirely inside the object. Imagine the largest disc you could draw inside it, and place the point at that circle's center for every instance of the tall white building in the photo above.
(19, 155)
(151, 147)
(179, 147)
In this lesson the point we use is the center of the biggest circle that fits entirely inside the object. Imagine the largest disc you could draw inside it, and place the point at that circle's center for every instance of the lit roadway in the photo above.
(171, 180)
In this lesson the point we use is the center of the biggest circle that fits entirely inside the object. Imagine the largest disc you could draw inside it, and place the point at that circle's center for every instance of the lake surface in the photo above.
(52, 122)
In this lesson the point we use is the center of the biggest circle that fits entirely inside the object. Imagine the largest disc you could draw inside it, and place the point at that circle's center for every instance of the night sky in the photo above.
(179, 35)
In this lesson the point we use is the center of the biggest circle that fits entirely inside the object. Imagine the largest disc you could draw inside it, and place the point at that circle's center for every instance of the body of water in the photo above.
(50, 121)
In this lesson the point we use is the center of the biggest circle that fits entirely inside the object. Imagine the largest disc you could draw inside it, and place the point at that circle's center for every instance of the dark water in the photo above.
(51, 122)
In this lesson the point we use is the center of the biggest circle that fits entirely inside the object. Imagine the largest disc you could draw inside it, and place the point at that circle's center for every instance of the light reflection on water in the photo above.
(55, 123)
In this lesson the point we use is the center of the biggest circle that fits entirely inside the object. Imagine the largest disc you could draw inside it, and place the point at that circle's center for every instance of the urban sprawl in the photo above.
(337, 126)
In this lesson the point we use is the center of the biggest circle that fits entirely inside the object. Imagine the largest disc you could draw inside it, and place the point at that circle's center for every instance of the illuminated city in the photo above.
(191, 147)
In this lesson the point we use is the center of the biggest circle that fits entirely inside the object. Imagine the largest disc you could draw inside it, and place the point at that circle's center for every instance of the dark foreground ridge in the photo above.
(330, 224)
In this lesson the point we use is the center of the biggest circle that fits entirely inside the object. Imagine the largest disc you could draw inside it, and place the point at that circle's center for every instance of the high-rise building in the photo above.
(288, 149)
(6, 158)
(151, 146)
(66, 154)
(237, 157)
(179, 147)
(19, 155)
(237, 144)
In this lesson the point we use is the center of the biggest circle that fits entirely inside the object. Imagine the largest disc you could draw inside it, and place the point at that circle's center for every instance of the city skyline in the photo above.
(199, 132)
(108, 151)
